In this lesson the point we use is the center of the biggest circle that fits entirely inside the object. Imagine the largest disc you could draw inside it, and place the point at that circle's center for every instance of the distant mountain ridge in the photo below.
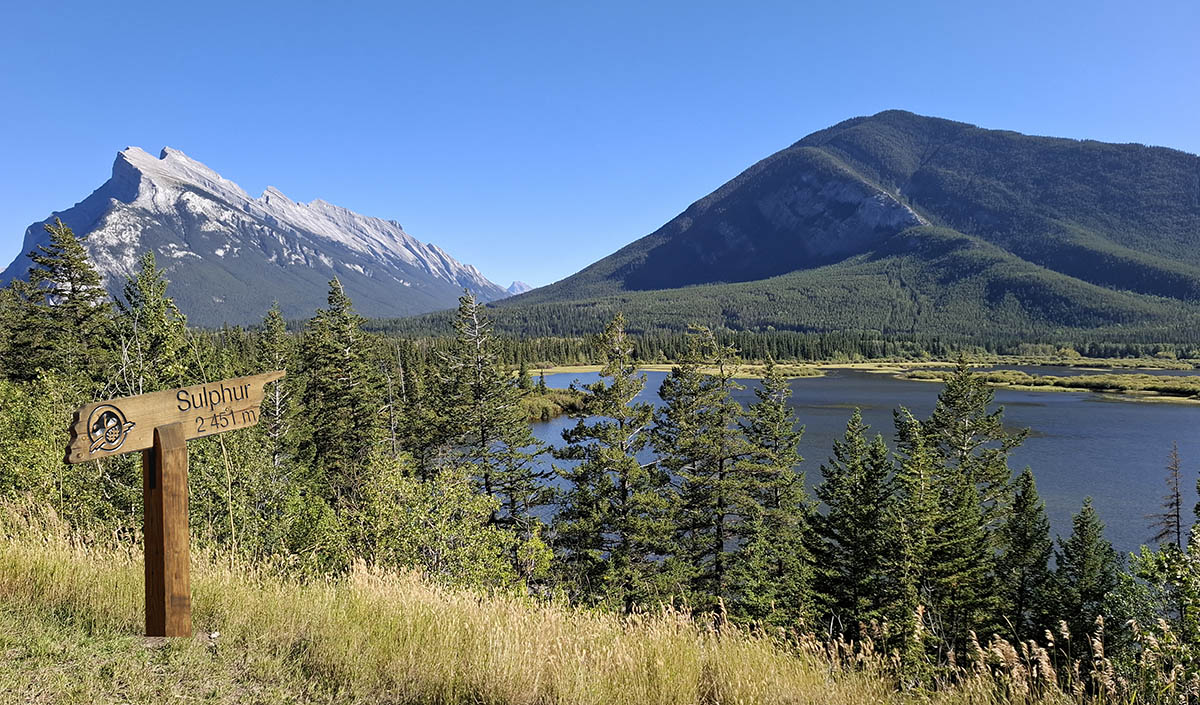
(903, 223)
(228, 256)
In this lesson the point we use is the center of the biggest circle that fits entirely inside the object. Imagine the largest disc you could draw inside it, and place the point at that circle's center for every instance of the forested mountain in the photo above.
(908, 224)
(229, 256)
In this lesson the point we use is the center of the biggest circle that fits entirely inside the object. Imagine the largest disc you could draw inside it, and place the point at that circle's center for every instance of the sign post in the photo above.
(159, 425)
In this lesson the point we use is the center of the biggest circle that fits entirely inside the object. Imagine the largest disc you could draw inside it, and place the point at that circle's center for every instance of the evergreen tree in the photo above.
(700, 442)
(422, 430)
(541, 387)
(614, 520)
(971, 437)
(61, 318)
(340, 401)
(773, 569)
(1022, 568)
(914, 518)
(1168, 524)
(1086, 572)
(853, 555)
(152, 347)
(491, 434)
(277, 421)
(524, 381)
(962, 592)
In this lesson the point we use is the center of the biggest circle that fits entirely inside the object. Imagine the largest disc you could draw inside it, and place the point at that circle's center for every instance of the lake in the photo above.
(1080, 444)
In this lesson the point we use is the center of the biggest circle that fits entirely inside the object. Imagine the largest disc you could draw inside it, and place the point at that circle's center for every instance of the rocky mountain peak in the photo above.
(229, 255)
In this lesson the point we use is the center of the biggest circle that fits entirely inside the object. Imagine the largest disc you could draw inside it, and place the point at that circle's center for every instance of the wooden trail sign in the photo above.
(160, 424)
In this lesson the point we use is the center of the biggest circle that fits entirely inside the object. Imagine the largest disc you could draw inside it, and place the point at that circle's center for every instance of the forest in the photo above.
(930, 559)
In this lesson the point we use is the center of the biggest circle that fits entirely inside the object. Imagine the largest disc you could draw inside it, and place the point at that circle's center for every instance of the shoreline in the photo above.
(898, 370)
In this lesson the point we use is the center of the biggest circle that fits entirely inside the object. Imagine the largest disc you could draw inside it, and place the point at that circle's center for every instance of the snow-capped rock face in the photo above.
(518, 287)
(229, 256)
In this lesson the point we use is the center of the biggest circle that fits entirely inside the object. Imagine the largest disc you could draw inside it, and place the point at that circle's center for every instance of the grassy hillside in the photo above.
(70, 619)
(903, 223)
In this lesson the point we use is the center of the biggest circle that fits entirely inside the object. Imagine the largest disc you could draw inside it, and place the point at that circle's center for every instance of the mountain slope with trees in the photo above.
(902, 223)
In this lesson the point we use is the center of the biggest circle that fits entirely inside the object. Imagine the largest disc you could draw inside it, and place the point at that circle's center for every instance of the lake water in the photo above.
(1080, 444)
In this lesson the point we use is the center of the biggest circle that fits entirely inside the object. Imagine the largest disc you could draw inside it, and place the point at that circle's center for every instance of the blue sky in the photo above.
(529, 138)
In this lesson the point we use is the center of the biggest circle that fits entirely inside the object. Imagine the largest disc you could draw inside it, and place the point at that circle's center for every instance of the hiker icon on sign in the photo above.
(107, 428)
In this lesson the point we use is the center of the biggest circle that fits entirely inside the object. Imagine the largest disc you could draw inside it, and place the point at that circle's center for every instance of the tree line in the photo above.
(413, 455)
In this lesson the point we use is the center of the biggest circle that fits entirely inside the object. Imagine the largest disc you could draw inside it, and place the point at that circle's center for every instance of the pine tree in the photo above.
(853, 554)
(62, 316)
(962, 592)
(972, 438)
(1022, 568)
(340, 401)
(524, 381)
(773, 568)
(277, 421)
(1086, 572)
(699, 441)
(614, 518)
(541, 387)
(914, 518)
(421, 429)
(1168, 525)
(152, 349)
(491, 433)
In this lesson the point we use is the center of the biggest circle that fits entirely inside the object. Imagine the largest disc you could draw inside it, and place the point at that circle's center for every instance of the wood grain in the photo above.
(125, 425)
(168, 554)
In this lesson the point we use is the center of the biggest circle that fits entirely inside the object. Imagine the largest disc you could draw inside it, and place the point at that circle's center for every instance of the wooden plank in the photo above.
(124, 425)
(168, 573)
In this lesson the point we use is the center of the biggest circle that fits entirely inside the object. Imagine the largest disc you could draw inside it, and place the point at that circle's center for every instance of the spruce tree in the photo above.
(482, 406)
(914, 519)
(277, 420)
(962, 592)
(340, 400)
(971, 436)
(524, 381)
(853, 555)
(1086, 572)
(614, 520)
(699, 441)
(62, 316)
(773, 568)
(152, 343)
(1022, 568)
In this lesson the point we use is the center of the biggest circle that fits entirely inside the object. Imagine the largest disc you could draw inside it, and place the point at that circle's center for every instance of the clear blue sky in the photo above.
(530, 139)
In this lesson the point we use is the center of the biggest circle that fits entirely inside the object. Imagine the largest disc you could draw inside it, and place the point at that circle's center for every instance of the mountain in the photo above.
(902, 223)
(229, 256)
(518, 287)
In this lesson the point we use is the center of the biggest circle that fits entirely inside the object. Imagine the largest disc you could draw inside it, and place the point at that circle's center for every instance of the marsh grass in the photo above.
(1178, 387)
(543, 406)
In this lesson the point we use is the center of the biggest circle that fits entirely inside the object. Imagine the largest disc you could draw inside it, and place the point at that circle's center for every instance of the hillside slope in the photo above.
(903, 223)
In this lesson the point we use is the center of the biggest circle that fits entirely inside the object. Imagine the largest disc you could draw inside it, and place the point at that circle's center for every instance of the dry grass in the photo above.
(71, 616)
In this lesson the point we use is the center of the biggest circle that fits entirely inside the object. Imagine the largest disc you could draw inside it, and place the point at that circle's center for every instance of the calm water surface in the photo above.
(1080, 444)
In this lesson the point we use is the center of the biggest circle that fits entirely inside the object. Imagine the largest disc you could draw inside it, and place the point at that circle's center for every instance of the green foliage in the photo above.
(971, 439)
(152, 339)
(1022, 568)
(339, 394)
(1086, 574)
(773, 572)
(482, 404)
(853, 554)
(614, 518)
(59, 320)
(699, 441)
